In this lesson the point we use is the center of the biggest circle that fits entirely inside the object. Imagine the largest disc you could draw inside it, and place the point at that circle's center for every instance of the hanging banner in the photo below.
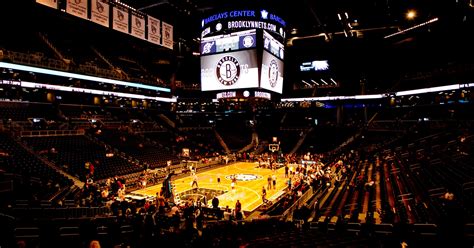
(77, 8)
(100, 12)
(154, 34)
(138, 26)
(167, 35)
(120, 19)
(49, 3)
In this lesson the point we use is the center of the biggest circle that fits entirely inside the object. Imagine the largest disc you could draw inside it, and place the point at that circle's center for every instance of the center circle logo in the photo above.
(244, 177)
(228, 70)
(273, 73)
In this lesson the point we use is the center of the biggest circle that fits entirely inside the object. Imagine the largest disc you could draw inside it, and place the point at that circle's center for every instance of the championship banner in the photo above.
(167, 35)
(120, 19)
(49, 3)
(100, 12)
(154, 34)
(77, 8)
(138, 26)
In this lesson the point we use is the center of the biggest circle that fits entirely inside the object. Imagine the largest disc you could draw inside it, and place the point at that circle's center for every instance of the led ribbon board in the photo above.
(243, 19)
(80, 76)
(33, 85)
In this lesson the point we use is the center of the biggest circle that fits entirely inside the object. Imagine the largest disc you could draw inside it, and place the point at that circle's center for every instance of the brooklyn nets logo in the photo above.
(100, 7)
(244, 177)
(273, 73)
(120, 15)
(153, 27)
(138, 23)
(228, 70)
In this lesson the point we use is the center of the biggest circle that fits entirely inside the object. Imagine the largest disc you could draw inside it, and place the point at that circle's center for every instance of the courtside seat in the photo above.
(383, 229)
(69, 235)
(427, 230)
(469, 231)
(27, 233)
(353, 227)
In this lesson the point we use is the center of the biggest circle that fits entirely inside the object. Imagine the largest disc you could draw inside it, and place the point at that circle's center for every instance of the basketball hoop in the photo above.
(274, 147)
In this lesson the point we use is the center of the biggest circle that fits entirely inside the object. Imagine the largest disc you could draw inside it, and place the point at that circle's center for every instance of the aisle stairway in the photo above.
(300, 141)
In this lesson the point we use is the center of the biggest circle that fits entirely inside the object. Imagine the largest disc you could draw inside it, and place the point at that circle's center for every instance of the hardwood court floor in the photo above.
(248, 192)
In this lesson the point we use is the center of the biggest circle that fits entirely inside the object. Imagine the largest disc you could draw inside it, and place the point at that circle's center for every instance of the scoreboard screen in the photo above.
(237, 61)
(229, 42)
(273, 45)
(271, 77)
(230, 70)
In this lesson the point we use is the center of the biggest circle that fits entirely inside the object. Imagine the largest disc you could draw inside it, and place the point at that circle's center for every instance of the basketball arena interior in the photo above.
(270, 123)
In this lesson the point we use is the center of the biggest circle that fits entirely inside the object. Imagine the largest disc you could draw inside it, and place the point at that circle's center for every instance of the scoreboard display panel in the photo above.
(271, 77)
(273, 45)
(229, 42)
(230, 70)
(248, 59)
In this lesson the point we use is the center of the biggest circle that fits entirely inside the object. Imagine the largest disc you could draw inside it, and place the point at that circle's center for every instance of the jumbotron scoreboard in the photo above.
(243, 62)
(229, 42)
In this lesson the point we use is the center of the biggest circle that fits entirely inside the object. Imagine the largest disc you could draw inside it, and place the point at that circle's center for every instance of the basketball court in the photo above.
(248, 189)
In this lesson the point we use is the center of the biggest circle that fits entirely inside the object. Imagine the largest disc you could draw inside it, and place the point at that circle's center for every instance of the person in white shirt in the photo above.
(195, 181)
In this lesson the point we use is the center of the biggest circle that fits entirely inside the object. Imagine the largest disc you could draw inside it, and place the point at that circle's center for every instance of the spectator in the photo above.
(215, 202)
(238, 210)
(94, 244)
(264, 194)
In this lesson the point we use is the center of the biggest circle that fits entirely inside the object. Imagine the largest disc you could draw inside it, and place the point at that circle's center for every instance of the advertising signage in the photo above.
(229, 42)
(243, 19)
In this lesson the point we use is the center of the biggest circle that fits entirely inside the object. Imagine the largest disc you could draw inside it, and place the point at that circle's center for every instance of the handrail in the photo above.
(464, 185)
(307, 195)
(51, 133)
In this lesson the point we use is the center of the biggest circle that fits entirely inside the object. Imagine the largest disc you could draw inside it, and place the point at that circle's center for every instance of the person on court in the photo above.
(274, 181)
(195, 181)
(269, 182)
(234, 181)
(264, 194)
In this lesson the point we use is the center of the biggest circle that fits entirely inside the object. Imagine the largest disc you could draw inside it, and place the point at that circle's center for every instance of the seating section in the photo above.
(235, 140)
(23, 111)
(388, 183)
(200, 142)
(404, 184)
(85, 112)
(152, 155)
(73, 152)
(57, 46)
(32, 179)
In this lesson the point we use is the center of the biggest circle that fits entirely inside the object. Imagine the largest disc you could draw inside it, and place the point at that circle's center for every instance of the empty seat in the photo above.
(425, 229)
(27, 233)
(353, 227)
(384, 229)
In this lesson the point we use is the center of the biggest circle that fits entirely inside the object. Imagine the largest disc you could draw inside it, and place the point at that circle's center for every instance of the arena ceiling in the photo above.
(373, 41)
(369, 41)
(313, 17)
